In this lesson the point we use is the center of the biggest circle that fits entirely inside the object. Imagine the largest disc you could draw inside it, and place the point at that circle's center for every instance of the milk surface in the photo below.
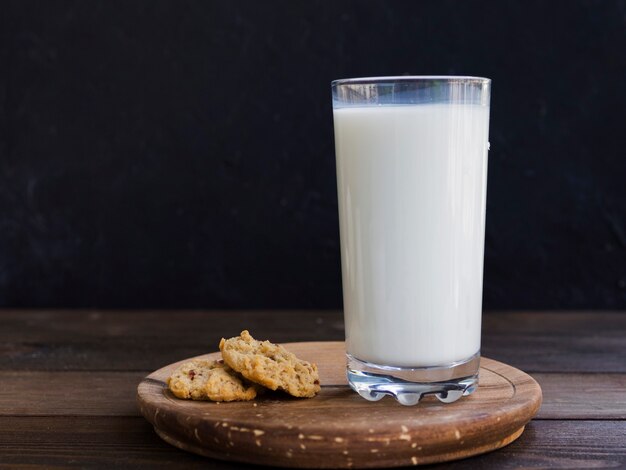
(412, 187)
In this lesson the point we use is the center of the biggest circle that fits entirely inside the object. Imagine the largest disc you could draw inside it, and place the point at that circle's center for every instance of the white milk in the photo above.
(412, 186)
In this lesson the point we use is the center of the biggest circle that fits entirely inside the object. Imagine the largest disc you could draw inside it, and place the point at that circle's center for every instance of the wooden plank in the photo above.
(103, 431)
(557, 341)
(82, 442)
(582, 396)
(558, 444)
(142, 340)
(69, 393)
(79, 325)
(42, 442)
(145, 340)
(78, 393)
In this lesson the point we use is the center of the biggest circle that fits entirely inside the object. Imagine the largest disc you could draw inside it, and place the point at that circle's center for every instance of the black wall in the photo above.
(180, 154)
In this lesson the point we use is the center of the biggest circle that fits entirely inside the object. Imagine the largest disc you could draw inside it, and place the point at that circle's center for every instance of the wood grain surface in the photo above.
(339, 429)
(146, 340)
(123, 442)
(95, 393)
(70, 378)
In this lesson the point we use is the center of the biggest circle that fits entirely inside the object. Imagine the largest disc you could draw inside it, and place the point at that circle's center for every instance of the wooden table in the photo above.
(68, 381)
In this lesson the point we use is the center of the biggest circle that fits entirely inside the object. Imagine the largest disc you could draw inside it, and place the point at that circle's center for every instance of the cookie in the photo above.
(270, 365)
(209, 380)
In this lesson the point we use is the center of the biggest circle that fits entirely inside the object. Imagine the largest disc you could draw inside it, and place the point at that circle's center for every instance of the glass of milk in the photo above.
(412, 179)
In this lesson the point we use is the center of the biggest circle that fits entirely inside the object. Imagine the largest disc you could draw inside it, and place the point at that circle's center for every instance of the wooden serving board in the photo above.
(338, 428)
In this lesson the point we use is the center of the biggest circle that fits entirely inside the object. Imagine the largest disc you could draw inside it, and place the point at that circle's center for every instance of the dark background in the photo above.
(180, 154)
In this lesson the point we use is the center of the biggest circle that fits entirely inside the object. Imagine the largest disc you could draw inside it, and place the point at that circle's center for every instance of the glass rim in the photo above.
(409, 78)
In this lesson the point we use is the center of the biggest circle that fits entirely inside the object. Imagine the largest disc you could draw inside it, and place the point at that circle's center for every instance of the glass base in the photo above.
(409, 385)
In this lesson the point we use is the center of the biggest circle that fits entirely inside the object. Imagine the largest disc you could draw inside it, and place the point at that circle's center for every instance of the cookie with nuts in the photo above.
(270, 365)
(210, 380)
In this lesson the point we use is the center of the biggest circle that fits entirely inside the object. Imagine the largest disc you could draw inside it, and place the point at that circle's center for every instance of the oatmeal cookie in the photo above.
(270, 365)
(209, 380)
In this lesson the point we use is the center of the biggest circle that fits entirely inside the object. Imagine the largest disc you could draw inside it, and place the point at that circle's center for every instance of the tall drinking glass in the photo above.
(412, 177)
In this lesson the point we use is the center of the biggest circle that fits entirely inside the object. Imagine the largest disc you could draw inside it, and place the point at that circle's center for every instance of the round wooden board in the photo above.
(338, 428)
